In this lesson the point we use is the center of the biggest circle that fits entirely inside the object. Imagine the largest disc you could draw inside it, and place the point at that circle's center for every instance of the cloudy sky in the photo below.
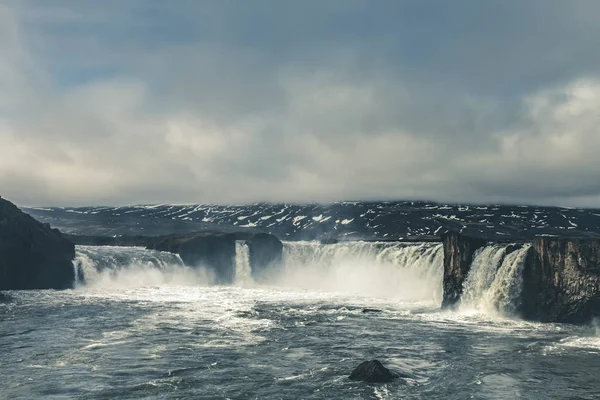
(229, 101)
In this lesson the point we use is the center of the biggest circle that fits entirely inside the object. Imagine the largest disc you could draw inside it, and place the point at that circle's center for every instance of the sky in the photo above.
(119, 102)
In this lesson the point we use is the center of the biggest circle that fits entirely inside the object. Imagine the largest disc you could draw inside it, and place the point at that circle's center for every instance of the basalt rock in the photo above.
(265, 252)
(213, 251)
(372, 372)
(329, 241)
(561, 280)
(32, 255)
(458, 256)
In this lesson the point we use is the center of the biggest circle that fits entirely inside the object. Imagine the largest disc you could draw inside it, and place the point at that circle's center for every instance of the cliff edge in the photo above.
(32, 255)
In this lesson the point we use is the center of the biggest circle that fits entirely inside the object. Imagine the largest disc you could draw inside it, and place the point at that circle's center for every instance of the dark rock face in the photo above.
(458, 255)
(372, 372)
(329, 241)
(32, 255)
(265, 254)
(561, 280)
(215, 252)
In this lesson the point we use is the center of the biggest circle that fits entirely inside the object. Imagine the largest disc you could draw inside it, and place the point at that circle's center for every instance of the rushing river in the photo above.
(141, 325)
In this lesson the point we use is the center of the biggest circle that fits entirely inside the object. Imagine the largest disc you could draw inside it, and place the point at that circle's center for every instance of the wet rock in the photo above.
(458, 255)
(32, 255)
(265, 252)
(561, 280)
(213, 251)
(329, 241)
(372, 372)
(371, 310)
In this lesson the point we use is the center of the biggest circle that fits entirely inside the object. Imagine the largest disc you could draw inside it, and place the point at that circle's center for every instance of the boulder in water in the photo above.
(458, 256)
(371, 310)
(32, 255)
(372, 372)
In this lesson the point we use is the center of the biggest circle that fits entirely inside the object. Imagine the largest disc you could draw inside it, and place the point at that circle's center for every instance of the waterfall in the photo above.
(505, 292)
(243, 275)
(495, 280)
(108, 266)
(486, 262)
(408, 271)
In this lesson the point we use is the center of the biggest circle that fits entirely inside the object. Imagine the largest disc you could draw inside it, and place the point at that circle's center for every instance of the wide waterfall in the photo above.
(108, 266)
(406, 271)
(410, 271)
(495, 281)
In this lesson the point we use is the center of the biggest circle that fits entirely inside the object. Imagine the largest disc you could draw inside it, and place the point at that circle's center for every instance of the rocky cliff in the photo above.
(265, 254)
(561, 280)
(213, 251)
(560, 276)
(32, 255)
(458, 255)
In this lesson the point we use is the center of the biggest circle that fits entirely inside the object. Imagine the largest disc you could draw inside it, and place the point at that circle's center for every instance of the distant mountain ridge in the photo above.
(390, 220)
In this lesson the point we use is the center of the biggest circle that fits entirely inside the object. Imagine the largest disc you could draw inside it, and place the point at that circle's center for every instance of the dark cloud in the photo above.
(226, 101)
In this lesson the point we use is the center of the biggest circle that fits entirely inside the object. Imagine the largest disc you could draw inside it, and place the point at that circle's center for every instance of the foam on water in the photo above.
(243, 273)
(495, 280)
(402, 271)
(125, 267)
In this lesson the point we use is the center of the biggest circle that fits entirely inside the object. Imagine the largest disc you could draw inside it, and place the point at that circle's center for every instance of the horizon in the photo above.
(307, 203)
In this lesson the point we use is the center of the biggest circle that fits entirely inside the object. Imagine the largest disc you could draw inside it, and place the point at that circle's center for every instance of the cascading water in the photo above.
(243, 273)
(495, 280)
(505, 292)
(486, 262)
(407, 271)
(107, 266)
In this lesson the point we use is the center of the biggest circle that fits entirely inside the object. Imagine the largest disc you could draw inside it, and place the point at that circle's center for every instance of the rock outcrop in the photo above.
(458, 255)
(372, 372)
(560, 276)
(561, 280)
(32, 255)
(213, 251)
(265, 252)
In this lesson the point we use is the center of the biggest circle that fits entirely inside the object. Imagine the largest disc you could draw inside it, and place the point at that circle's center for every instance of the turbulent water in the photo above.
(495, 280)
(139, 324)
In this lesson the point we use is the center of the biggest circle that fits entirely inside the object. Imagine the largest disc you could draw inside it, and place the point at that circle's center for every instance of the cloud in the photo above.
(144, 102)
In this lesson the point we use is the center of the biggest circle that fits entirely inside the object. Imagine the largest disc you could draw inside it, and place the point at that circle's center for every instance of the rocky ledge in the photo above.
(561, 280)
(32, 255)
(215, 251)
(561, 276)
(458, 256)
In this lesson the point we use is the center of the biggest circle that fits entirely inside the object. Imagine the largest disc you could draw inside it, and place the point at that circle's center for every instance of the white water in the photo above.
(408, 272)
(402, 271)
(243, 273)
(495, 281)
(124, 267)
